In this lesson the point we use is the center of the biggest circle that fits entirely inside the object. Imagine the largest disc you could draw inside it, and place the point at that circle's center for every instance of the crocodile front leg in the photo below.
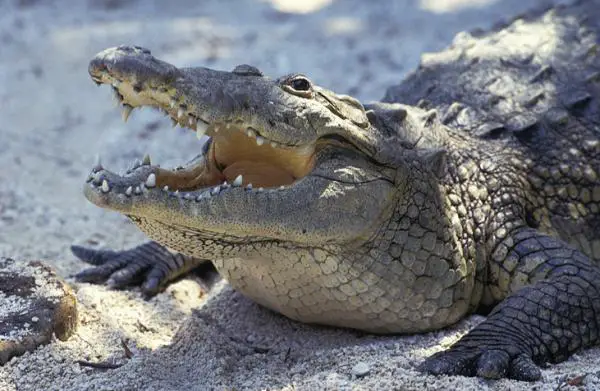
(150, 262)
(546, 321)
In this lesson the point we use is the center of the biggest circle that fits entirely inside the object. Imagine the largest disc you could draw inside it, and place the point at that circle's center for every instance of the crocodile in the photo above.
(471, 187)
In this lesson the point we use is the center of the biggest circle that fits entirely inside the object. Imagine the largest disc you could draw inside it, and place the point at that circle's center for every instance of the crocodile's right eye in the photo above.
(298, 85)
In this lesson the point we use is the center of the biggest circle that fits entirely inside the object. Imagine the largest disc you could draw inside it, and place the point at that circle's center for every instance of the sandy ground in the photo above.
(54, 121)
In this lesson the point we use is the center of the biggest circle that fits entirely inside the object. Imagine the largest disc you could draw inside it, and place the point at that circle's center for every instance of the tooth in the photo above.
(237, 181)
(260, 189)
(127, 109)
(282, 187)
(249, 186)
(116, 83)
(260, 140)
(172, 103)
(97, 178)
(129, 191)
(138, 190)
(250, 132)
(146, 160)
(180, 112)
(174, 122)
(166, 188)
(274, 144)
(105, 188)
(201, 129)
(151, 180)
(216, 190)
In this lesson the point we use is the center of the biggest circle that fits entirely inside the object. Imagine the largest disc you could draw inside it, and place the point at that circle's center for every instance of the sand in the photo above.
(54, 121)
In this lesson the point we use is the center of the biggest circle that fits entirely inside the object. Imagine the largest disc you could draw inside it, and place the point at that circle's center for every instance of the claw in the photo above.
(93, 257)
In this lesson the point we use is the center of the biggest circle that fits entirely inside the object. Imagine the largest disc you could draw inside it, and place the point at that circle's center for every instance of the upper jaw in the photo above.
(197, 97)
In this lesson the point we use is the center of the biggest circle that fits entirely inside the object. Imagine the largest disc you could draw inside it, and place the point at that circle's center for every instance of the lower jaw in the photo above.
(108, 189)
(207, 175)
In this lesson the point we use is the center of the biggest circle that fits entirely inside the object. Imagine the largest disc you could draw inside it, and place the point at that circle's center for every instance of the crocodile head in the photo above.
(287, 164)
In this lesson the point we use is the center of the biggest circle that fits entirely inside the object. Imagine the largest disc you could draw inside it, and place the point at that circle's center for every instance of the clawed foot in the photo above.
(489, 363)
(151, 264)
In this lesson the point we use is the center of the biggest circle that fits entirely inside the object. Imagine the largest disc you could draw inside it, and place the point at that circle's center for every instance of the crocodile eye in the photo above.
(300, 83)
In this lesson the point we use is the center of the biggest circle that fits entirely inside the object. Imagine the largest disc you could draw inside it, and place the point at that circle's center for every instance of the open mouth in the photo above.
(235, 154)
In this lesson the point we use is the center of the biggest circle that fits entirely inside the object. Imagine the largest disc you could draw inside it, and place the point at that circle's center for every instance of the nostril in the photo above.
(141, 49)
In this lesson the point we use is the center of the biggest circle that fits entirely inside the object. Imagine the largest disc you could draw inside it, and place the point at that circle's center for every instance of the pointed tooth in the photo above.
(105, 188)
(192, 121)
(166, 188)
(237, 181)
(146, 160)
(126, 112)
(249, 186)
(180, 112)
(151, 180)
(97, 178)
(172, 103)
(261, 189)
(250, 132)
(260, 140)
(282, 187)
(129, 191)
(215, 190)
(138, 190)
(201, 129)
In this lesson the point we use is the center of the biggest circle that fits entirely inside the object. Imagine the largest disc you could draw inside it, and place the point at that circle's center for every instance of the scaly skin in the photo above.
(391, 218)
